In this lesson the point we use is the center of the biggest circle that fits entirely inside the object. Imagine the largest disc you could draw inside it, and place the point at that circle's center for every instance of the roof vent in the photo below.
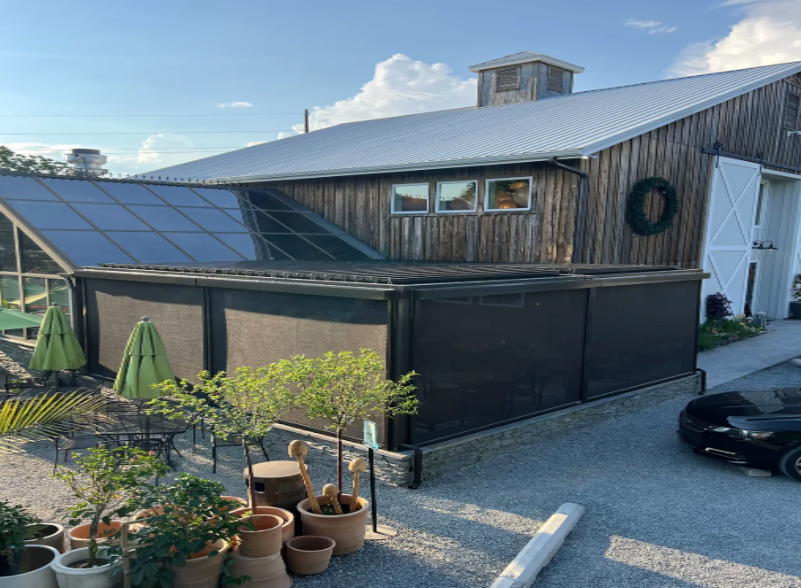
(88, 161)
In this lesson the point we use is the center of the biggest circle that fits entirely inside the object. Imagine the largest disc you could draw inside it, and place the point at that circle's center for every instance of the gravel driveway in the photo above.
(657, 516)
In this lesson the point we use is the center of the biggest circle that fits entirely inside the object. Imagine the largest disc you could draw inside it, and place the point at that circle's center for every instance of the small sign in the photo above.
(370, 434)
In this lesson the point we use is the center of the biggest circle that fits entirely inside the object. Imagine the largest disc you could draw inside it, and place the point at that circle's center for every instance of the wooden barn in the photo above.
(537, 173)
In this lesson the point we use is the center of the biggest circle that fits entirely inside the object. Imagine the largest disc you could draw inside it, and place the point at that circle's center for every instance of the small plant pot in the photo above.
(346, 529)
(287, 529)
(201, 571)
(265, 540)
(265, 572)
(51, 534)
(102, 576)
(34, 569)
(79, 536)
(309, 554)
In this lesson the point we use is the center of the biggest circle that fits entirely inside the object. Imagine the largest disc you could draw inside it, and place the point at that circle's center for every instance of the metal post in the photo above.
(371, 460)
(306, 120)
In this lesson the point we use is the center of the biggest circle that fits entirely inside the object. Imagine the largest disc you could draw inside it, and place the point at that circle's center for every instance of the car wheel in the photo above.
(790, 463)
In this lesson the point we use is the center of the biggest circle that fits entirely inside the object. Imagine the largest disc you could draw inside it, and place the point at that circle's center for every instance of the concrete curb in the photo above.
(523, 570)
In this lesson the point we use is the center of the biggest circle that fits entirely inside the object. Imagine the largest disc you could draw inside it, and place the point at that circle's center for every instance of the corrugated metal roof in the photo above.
(525, 57)
(565, 126)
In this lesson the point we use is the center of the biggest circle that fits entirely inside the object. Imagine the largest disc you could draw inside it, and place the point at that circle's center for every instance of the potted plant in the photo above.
(186, 536)
(244, 406)
(105, 482)
(795, 304)
(21, 565)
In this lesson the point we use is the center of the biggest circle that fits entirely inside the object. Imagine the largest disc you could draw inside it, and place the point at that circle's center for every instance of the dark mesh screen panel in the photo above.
(114, 307)
(642, 334)
(253, 328)
(490, 359)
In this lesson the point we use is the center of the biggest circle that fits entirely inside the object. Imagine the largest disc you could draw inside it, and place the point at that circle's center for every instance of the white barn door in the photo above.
(729, 229)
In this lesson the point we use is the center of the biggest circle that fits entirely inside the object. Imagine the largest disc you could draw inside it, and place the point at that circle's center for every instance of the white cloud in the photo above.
(235, 105)
(399, 86)
(652, 26)
(152, 150)
(254, 143)
(56, 152)
(769, 32)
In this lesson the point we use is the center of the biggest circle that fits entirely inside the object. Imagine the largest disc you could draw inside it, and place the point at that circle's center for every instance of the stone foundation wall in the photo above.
(397, 467)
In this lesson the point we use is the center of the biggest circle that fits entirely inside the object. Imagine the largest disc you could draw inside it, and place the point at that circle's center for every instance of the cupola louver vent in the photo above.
(507, 79)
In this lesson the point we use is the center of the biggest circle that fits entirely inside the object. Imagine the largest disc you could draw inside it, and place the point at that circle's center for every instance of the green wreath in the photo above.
(635, 212)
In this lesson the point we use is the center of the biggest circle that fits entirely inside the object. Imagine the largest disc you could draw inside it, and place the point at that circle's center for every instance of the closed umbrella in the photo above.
(144, 363)
(57, 347)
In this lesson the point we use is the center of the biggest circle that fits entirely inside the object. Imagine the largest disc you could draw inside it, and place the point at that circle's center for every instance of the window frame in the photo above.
(392, 199)
(438, 192)
(487, 194)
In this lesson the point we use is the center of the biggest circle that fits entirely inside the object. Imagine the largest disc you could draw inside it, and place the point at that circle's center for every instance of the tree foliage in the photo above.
(29, 164)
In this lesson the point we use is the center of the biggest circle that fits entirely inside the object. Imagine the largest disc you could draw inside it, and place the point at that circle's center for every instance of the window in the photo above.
(555, 79)
(507, 79)
(760, 205)
(508, 194)
(409, 198)
(457, 196)
(791, 109)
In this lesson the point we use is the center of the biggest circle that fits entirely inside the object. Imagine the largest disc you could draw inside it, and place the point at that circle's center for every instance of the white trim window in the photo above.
(507, 194)
(457, 196)
(409, 198)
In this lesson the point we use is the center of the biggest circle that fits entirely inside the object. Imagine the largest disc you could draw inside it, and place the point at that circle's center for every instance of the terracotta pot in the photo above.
(34, 568)
(265, 572)
(265, 540)
(287, 529)
(346, 529)
(201, 571)
(237, 502)
(104, 576)
(309, 554)
(51, 534)
(79, 536)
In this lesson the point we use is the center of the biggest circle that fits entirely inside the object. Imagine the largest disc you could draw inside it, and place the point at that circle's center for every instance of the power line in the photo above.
(144, 133)
(154, 115)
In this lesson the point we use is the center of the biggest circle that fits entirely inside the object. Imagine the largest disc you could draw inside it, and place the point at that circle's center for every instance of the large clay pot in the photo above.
(104, 576)
(235, 501)
(265, 572)
(51, 534)
(309, 554)
(277, 483)
(265, 539)
(346, 529)
(201, 571)
(34, 569)
(287, 529)
(79, 536)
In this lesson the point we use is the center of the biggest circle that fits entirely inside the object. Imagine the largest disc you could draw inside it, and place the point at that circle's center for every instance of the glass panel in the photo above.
(35, 295)
(49, 215)
(297, 248)
(178, 196)
(23, 188)
(243, 215)
(760, 205)
(266, 201)
(149, 247)
(410, 198)
(130, 193)
(337, 247)
(60, 294)
(87, 248)
(219, 197)
(77, 190)
(298, 222)
(203, 247)
(213, 219)
(264, 223)
(111, 217)
(251, 246)
(9, 292)
(508, 194)
(456, 196)
(165, 219)
(8, 254)
(35, 260)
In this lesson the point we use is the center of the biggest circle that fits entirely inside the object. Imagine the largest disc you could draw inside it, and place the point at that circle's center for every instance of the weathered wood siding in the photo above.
(746, 125)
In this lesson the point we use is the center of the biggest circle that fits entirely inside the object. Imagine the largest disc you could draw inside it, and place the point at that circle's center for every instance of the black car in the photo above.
(755, 428)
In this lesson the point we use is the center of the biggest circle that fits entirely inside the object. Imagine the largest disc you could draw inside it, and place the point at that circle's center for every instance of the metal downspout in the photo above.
(581, 206)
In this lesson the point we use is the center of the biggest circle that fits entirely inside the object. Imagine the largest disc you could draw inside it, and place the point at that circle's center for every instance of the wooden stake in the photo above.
(298, 449)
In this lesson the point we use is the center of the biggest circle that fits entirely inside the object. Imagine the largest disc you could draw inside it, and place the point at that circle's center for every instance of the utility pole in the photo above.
(306, 120)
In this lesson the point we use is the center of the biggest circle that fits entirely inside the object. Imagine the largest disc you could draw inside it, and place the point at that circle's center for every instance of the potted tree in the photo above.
(105, 482)
(795, 304)
(185, 537)
(244, 406)
(22, 565)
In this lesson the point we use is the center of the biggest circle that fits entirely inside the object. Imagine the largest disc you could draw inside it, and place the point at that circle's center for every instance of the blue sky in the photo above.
(191, 58)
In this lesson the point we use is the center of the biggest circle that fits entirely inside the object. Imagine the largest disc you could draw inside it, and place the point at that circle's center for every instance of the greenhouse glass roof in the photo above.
(92, 221)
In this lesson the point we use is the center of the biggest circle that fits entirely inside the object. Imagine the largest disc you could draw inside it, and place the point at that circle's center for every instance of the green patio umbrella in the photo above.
(57, 347)
(15, 319)
(144, 363)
